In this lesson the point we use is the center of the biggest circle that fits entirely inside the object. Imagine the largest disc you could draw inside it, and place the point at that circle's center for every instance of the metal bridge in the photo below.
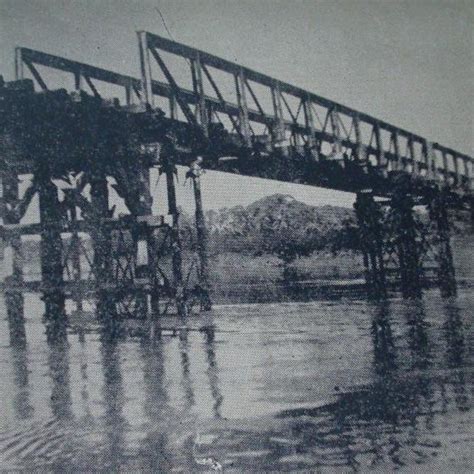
(211, 114)
(263, 117)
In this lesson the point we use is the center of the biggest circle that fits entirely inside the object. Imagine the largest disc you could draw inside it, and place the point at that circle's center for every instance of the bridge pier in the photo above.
(370, 221)
(146, 200)
(147, 302)
(51, 258)
(169, 169)
(75, 251)
(397, 237)
(407, 246)
(14, 299)
(102, 261)
(439, 215)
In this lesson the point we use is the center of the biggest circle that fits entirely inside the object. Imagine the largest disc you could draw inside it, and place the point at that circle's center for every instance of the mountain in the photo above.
(279, 217)
(279, 205)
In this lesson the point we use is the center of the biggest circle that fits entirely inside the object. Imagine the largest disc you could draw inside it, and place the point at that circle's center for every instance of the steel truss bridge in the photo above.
(215, 115)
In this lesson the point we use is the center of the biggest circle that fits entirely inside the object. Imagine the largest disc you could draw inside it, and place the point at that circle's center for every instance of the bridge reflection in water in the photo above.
(268, 387)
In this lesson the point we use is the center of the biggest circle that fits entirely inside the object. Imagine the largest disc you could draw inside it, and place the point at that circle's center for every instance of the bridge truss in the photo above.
(236, 120)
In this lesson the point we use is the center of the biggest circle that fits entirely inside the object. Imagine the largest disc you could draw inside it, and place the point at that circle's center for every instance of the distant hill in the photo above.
(241, 228)
(275, 205)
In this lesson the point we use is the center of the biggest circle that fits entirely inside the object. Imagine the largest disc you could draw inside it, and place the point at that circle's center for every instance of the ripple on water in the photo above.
(277, 387)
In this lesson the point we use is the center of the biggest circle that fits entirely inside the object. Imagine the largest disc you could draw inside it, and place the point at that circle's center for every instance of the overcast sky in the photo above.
(407, 62)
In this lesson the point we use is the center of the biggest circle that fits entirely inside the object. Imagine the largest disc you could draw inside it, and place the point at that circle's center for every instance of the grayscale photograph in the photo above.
(236, 236)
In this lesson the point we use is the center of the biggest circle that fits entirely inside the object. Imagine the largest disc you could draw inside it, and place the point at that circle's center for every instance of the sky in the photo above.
(409, 63)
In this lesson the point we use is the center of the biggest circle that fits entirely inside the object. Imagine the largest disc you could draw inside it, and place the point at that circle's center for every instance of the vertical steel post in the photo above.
(243, 107)
(78, 80)
(380, 156)
(202, 114)
(145, 67)
(278, 132)
(309, 122)
(467, 173)
(19, 67)
(369, 217)
(396, 151)
(202, 238)
(51, 259)
(173, 107)
(169, 169)
(439, 214)
(360, 147)
(411, 152)
(471, 208)
(14, 299)
(445, 168)
(428, 157)
(336, 130)
(456, 168)
(128, 94)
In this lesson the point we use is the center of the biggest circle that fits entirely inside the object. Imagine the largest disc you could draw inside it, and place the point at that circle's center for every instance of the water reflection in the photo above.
(55, 318)
(84, 375)
(212, 370)
(15, 304)
(418, 342)
(385, 357)
(155, 450)
(412, 387)
(454, 334)
(21, 399)
(391, 420)
(454, 330)
(185, 367)
(113, 397)
(58, 362)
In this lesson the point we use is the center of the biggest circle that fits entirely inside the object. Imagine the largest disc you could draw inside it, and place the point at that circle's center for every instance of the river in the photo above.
(327, 386)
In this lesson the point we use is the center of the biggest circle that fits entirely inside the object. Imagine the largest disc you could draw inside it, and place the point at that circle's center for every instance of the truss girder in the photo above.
(310, 119)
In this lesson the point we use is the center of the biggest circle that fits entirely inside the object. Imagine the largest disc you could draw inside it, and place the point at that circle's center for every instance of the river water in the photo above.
(324, 386)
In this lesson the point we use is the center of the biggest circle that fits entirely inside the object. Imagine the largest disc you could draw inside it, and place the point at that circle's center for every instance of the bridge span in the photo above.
(75, 143)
